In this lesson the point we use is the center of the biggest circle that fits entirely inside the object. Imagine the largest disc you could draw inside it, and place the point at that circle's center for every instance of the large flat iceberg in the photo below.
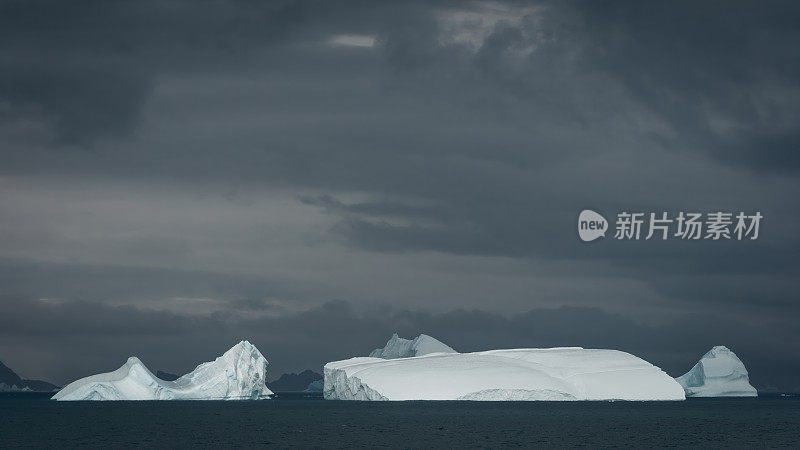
(239, 374)
(398, 347)
(719, 373)
(568, 373)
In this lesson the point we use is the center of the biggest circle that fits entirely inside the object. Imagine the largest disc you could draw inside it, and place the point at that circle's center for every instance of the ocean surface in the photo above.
(294, 420)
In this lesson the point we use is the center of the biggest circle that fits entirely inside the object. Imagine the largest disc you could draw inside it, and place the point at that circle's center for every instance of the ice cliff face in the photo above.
(398, 347)
(719, 373)
(571, 373)
(238, 374)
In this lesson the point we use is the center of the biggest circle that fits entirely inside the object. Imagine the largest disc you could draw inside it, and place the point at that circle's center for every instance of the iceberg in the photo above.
(564, 373)
(314, 386)
(14, 388)
(239, 374)
(719, 373)
(398, 347)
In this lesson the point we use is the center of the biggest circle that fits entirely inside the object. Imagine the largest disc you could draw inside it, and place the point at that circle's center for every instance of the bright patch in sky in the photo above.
(353, 40)
(473, 24)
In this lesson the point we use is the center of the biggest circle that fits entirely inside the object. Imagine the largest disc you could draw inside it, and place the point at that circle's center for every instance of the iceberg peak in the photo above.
(133, 361)
(243, 351)
(719, 373)
(398, 347)
(244, 345)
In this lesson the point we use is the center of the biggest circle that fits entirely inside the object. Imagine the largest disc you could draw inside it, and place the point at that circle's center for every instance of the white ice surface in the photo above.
(569, 373)
(398, 347)
(238, 374)
(719, 373)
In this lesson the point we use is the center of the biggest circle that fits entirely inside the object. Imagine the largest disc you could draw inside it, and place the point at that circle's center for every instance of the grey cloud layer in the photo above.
(444, 166)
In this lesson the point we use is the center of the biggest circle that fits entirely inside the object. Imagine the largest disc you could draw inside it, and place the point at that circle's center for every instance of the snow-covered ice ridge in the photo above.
(719, 373)
(566, 373)
(238, 374)
(398, 347)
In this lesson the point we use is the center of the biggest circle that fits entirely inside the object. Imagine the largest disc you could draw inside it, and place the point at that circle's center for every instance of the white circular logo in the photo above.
(591, 225)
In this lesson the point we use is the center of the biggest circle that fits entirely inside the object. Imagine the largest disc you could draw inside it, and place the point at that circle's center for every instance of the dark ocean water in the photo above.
(294, 420)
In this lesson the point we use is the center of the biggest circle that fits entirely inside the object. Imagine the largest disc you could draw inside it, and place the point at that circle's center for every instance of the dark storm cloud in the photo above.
(167, 341)
(86, 67)
(469, 131)
(721, 77)
(697, 64)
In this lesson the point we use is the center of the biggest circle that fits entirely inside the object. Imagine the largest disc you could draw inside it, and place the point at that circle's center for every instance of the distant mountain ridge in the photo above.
(166, 376)
(11, 382)
(294, 382)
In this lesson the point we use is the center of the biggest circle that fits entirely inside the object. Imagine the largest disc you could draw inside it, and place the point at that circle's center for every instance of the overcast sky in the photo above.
(314, 176)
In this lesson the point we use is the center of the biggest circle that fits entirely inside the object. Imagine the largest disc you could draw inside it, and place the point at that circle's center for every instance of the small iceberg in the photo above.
(315, 386)
(719, 373)
(398, 347)
(239, 374)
